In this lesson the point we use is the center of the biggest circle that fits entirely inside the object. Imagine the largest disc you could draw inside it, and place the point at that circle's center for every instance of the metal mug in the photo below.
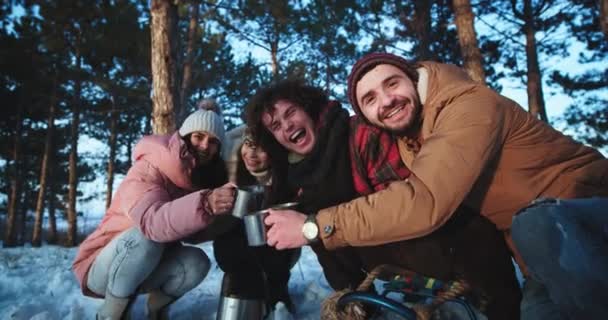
(247, 199)
(255, 229)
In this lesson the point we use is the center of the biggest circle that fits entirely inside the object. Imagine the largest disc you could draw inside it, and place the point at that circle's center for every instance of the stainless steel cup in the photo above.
(255, 229)
(248, 199)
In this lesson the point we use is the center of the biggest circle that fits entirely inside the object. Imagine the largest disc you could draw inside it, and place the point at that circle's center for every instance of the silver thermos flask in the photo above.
(234, 307)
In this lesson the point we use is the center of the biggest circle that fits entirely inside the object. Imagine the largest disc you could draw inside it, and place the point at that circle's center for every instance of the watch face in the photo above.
(310, 230)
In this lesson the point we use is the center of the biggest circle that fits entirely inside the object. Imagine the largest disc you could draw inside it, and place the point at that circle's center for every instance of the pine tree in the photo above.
(165, 97)
(330, 36)
(44, 168)
(467, 38)
(67, 37)
(267, 25)
(589, 114)
(528, 19)
(120, 62)
(186, 65)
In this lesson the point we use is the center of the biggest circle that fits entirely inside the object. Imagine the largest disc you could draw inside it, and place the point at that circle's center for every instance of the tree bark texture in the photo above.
(73, 157)
(187, 67)
(165, 95)
(467, 38)
(37, 234)
(15, 193)
(112, 157)
(536, 102)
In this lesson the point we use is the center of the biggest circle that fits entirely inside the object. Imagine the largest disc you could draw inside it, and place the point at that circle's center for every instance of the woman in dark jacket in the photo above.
(254, 272)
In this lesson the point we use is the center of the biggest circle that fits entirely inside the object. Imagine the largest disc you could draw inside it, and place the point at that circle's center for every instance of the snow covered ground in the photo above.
(38, 284)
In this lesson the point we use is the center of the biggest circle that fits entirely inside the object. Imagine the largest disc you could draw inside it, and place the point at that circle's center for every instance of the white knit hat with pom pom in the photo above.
(207, 118)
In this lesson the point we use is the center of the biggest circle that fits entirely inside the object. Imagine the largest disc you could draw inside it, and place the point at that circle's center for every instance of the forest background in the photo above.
(82, 81)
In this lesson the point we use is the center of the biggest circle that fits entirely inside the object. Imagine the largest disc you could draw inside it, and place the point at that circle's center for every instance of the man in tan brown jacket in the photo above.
(464, 143)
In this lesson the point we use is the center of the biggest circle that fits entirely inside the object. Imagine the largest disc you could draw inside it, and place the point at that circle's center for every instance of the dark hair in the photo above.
(188, 142)
(278, 170)
(243, 176)
(311, 99)
(211, 175)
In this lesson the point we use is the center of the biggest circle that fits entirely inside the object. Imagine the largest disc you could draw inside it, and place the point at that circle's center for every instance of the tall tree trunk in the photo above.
(130, 140)
(187, 73)
(73, 157)
(274, 50)
(536, 102)
(467, 38)
(112, 158)
(52, 232)
(51, 196)
(327, 75)
(23, 214)
(165, 99)
(37, 234)
(15, 193)
(604, 17)
(422, 25)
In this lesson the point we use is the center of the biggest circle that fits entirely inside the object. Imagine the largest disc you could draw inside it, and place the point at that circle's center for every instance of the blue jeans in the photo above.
(564, 244)
(132, 264)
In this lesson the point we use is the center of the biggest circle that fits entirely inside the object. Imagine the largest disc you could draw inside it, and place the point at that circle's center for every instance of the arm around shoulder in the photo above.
(465, 137)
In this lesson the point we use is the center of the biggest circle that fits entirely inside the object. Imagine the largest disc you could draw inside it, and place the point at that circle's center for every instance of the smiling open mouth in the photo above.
(394, 112)
(297, 136)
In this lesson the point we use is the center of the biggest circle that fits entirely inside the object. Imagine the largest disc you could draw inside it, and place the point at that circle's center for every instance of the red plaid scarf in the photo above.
(374, 157)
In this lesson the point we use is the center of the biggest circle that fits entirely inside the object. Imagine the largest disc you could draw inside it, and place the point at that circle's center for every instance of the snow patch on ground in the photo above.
(38, 284)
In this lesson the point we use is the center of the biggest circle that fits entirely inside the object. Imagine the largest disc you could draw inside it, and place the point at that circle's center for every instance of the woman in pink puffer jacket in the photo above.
(165, 197)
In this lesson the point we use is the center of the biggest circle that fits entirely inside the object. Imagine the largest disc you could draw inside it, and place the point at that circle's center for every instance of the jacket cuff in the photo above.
(329, 232)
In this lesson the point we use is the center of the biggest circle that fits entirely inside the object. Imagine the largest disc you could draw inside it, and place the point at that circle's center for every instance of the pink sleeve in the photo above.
(164, 220)
(161, 218)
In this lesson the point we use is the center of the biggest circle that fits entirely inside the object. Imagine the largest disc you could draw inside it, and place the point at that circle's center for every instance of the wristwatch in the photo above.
(310, 229)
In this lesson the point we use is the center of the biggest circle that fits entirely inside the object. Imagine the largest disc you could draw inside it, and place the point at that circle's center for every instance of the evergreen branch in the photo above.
(376, 34)
(290, 44)
(502, 14)
(218, 5)
(241, 34)
(501, 32)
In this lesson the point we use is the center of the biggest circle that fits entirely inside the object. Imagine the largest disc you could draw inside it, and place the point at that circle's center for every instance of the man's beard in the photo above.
(413, 123)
